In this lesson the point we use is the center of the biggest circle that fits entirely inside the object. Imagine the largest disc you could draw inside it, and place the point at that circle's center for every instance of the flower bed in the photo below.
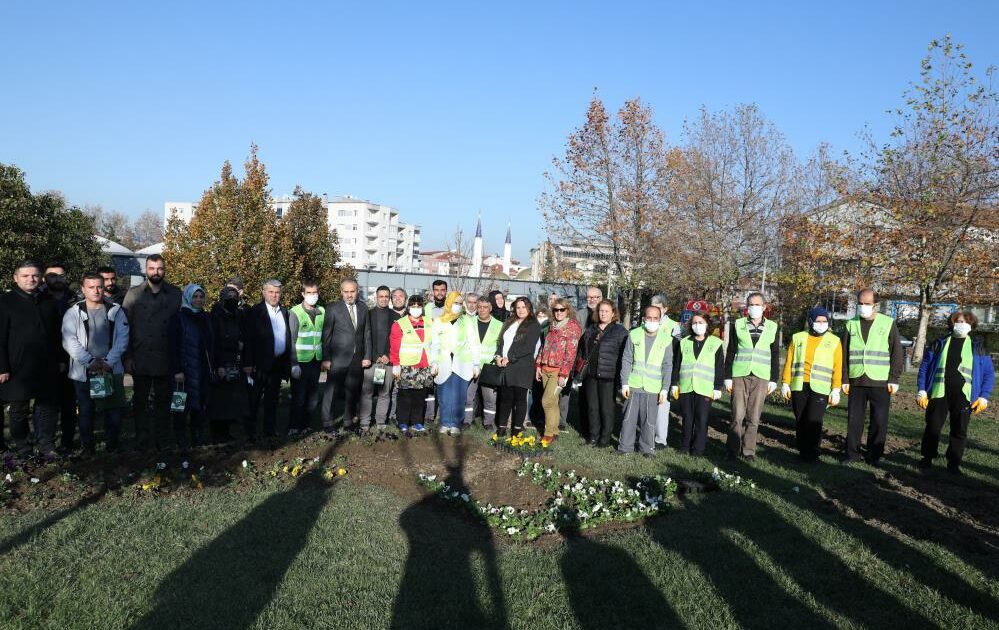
(576, 502)
(521, 444)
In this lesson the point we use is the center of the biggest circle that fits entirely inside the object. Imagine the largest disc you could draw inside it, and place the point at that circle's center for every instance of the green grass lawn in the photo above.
(808, 547)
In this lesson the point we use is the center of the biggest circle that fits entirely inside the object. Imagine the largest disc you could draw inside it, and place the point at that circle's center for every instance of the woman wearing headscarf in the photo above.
(498, 301)
(229, 400)
(454, 360)
(409, 355)
(698, 377)
(190, 337)
(811, 381)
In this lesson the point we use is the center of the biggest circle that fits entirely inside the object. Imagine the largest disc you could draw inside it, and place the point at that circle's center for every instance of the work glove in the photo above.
(771, 387)
(626, 392)
(892, 388)
(979, 405)
(675, 392)
(834, 398)
(846, 388)
(922, 399)
(396, 370)
(728, 385)
(296, 371)
(785, 391)
(716, 394)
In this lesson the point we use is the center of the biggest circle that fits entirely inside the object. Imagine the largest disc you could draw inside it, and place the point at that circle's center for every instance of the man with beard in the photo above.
(432, 312)
(111, 289)
(149, 307)
(55, 285)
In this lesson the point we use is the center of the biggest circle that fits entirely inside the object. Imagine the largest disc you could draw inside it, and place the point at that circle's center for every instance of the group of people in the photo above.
(448, 358)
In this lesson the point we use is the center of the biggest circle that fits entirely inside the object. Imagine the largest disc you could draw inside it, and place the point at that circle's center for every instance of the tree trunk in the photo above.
(924, 322)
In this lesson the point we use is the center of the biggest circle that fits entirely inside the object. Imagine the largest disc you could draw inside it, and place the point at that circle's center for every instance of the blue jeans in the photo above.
(112, 419)
(451, 401)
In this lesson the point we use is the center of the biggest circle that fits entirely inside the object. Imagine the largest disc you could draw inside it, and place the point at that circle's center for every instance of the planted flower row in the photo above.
(520, 443)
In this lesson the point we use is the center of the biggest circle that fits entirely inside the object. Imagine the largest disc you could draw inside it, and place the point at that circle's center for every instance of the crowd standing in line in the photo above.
(449, 360)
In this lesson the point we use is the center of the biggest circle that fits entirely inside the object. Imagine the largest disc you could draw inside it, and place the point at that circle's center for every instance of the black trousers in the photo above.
(151, 424)
(809, 411)
(879, 401)
(410, 404)
(511, 401)
(266, 389)
(601, 408)
(304, 395)
(67, 411)
(695, 411)
(188, 429)
(957, 406)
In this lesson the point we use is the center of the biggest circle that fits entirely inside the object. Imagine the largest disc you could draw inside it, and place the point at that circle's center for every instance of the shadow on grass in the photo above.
(30, 532)
(228, 582)
(438, 588)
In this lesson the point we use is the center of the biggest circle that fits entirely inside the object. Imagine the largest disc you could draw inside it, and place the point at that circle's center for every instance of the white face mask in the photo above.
(961, 329)
(651, 326)
(699, 329)
(311, 299)
(755, 311)
(866, 310)
(415, 312)
(456, 308)
(820, 327)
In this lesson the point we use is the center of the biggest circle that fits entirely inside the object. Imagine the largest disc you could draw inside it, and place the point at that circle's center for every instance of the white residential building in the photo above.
(370, 234)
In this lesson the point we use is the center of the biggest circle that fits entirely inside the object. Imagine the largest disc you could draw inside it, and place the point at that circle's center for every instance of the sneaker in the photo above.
(925, 462)
(548, 439)
(444, 431)
(455, 431)
(419, 428)
(403, 427)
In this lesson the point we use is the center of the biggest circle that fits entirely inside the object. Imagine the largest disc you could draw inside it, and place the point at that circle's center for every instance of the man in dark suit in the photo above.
(267, 356)
(346, 353)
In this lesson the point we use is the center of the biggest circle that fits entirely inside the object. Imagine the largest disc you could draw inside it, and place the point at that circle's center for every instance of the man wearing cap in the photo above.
(872, 365)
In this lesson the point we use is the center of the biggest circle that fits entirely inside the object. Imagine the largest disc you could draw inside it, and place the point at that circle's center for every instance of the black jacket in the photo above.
(345, 345)
(607, 350)
(520, 371)
(227, 334)
(258, 351)
(30, 345)
(380, 322)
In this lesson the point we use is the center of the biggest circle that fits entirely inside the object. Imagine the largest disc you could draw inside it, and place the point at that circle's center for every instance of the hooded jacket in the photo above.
(76, 335)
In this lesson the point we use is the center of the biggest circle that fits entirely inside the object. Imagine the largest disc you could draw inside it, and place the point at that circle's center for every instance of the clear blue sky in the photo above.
(439, 109)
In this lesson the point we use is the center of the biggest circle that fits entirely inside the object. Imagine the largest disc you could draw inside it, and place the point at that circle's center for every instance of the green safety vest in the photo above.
(698, 375)
(309, 342)
(874, 357)
(750, 359)
(457, 339)
(648, 375)
(411, 349)
(821, 372)
(965, 368)
(487, 347)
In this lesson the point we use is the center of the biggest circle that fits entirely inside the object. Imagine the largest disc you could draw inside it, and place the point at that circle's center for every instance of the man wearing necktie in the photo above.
(346, 354)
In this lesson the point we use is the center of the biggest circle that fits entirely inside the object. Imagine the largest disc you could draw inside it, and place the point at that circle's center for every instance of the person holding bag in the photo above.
(515, 351)
(95, 336)
(190, 334)
(409, 355)
(555, 363)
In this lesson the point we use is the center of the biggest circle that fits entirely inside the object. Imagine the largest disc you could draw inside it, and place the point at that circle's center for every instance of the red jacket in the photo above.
(560, 346)
(395, 342)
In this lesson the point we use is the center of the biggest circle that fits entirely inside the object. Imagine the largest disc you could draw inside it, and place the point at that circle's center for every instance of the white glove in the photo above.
(892, 388)
(771, 387)
(728, 385)
(662, 397)
(834, 397)
(980, 405)
(475, 373)
(626, 391)
(785, 391)
(396, 370)
(296, 371)
(717, 394)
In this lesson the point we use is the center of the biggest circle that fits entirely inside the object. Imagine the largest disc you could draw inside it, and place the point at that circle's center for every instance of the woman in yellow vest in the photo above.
(698, 374)
(454, 355)
(812, 379)
(409, 352)
(956, 378)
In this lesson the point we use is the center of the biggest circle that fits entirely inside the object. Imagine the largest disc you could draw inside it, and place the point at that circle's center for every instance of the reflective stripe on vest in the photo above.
(309, 342)
(750, 359)
(698, 375)
(458, 339)
(487, 346)
(939, 388)
(821, 371)
(411, 349)
(872, 358)
(648, 375)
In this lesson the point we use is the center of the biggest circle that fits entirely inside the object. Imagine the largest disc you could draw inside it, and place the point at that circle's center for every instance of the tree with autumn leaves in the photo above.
(235, 233)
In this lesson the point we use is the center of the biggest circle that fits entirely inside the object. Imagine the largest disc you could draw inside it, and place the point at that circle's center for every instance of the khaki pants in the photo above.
(748, 395)
(550, 401)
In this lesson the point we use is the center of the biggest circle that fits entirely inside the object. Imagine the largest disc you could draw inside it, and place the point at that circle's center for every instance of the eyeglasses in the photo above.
(559, 310)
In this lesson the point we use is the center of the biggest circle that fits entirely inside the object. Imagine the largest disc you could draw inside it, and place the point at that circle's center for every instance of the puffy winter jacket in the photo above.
(608, 350)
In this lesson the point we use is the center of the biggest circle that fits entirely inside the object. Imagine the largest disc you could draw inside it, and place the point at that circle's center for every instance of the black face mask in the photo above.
(57, 285)
(230, 303)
